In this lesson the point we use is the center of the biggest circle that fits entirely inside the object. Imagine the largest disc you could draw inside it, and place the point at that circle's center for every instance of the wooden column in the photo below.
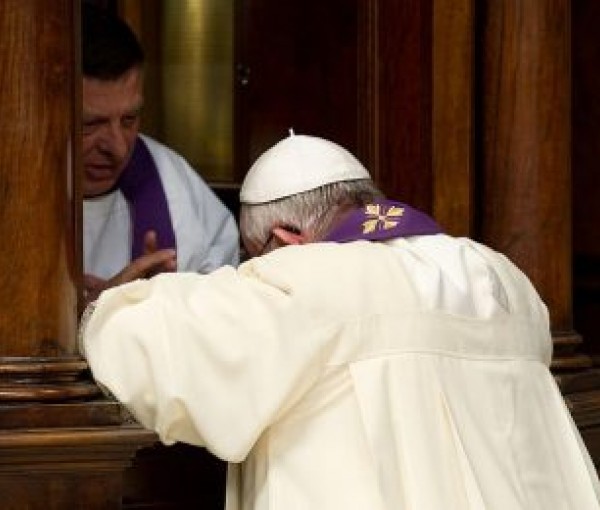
(526, 172)
(525, 161)
(39, 197)
(61, 446)
(453, 115)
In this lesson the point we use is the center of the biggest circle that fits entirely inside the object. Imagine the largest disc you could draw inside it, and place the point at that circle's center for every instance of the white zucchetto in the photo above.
(298, 163)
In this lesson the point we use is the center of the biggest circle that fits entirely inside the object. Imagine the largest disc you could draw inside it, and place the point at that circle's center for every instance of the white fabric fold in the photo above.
(410, 375)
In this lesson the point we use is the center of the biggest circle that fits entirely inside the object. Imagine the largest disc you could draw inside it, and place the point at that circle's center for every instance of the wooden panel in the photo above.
(39, 199)
(525, 208)
(368, 96)
(66, 468)
(405, 34)
(453, 115)
(586, 184)
(297, 68)
(40, 204)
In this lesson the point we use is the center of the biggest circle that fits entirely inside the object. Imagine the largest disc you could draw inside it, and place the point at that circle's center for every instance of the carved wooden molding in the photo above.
(44, 379)
(55, 450)
(67, 468)
(566, 355)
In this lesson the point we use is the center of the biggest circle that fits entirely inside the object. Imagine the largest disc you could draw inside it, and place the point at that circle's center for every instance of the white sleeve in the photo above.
(209, 360)
(220, 231)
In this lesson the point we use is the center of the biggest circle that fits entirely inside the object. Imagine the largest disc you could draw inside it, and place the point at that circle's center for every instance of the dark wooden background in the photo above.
(484, 113)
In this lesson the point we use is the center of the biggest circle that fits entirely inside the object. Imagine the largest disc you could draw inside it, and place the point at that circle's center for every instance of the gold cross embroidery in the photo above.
(381, 219)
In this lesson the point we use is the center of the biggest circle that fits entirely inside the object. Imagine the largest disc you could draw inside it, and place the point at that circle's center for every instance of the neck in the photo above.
(333, 218)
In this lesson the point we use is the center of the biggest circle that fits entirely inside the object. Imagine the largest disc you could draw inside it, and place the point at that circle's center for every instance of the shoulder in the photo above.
(420, 271)
(176, 173)
(164, 155)
(330, 278)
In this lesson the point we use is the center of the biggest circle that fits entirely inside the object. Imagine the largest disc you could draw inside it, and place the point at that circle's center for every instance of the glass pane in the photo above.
(189, 78)
(197, 83)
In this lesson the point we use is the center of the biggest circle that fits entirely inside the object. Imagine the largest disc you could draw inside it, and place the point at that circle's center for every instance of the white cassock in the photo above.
(205, 230)
(406, 375)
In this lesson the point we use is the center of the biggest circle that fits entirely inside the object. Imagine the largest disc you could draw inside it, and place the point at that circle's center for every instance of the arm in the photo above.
(152, 262)
(193, 365)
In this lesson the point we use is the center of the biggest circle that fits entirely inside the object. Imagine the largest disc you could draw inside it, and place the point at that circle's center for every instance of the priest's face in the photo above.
(111, 117)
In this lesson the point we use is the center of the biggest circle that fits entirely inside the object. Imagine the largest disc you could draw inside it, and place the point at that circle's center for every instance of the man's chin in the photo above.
(98, 189)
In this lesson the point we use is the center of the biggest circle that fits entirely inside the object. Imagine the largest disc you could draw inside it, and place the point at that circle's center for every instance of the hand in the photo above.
(153, 261)
(149, 266)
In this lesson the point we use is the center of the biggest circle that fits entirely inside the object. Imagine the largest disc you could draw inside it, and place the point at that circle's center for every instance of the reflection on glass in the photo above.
(197, 83)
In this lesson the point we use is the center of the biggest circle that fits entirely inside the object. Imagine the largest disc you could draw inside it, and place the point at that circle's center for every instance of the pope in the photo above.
(361, 359)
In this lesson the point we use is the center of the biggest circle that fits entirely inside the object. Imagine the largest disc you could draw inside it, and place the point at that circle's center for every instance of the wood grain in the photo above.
(39, 201)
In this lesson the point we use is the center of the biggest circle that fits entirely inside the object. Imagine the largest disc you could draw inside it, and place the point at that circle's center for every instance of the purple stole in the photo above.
(381, 220)
(141, 185)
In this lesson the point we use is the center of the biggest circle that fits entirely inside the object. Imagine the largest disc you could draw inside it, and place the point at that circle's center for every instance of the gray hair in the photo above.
(313, 210)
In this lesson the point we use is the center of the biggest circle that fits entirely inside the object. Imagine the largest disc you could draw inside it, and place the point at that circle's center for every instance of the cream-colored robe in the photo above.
(407, 375)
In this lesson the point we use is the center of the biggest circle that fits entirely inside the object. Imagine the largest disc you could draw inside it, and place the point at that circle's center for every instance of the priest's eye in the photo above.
(89, 126)
(129, 121)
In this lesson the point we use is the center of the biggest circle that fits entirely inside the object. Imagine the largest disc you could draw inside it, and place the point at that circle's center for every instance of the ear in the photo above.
(287, 237)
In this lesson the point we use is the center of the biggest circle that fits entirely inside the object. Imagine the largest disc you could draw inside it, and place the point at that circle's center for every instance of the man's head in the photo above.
(297, 190)
(112, 97)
